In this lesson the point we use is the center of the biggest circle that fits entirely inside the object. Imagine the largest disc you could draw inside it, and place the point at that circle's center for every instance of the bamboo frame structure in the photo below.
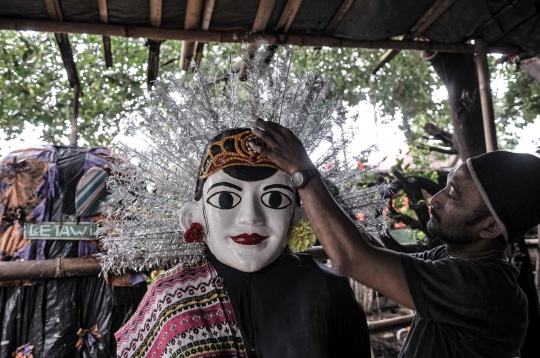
(488, 114)
(235, 36)
(50, 268)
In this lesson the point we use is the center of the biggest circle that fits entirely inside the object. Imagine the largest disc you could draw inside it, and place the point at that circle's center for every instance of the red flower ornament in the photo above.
(194, 234)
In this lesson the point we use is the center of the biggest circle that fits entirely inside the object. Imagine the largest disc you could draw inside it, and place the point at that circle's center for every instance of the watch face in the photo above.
(297, 179)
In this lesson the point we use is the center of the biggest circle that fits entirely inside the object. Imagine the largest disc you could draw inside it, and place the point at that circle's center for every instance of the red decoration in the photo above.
(194, 234)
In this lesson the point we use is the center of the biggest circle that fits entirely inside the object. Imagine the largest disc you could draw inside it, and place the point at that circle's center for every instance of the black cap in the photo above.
(510, 186)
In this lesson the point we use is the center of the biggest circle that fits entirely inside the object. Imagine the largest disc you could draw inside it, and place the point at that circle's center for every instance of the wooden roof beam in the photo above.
(154, 19)
(288, 15)
(434, 12)
(235, 36)
(340, 14)
(104, 17)
(55, 13)
(192, 22)
(207, 17)
(259, 25)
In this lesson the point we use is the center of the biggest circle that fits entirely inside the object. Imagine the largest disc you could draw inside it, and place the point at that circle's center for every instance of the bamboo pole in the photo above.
(50, 268)
(234, 36)
(74, 125)
(488, 115)
(390, 324)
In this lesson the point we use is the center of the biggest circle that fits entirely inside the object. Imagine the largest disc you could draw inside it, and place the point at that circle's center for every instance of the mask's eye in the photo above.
(276, 200)
(224, 200)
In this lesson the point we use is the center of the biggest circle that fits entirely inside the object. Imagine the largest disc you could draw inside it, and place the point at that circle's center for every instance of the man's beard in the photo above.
(451, 236)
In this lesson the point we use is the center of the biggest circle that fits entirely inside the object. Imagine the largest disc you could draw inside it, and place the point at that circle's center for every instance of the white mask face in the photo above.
(247, 222)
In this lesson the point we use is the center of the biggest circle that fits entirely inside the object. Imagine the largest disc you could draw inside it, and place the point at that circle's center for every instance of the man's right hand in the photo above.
(281, 146)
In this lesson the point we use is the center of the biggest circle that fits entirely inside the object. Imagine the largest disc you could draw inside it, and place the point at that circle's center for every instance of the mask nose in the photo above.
(250, 212)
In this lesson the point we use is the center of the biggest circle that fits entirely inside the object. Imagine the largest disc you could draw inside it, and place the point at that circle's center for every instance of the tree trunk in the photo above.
(458, 73)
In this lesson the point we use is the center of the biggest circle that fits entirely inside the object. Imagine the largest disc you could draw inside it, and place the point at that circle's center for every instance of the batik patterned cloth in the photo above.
(185, 313)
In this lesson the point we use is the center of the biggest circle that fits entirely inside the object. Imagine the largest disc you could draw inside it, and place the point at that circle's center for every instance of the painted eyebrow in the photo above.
(281, 186)
(224, 183)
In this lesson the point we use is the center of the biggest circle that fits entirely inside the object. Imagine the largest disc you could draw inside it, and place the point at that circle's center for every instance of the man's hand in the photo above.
(349, 250)
(281, 146)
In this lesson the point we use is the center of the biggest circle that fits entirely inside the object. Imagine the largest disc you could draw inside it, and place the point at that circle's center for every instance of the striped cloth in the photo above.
(185, 313)
(91, 191)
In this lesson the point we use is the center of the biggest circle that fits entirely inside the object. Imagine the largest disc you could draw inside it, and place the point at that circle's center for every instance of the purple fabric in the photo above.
(86, 248)
(88, 339)
(94, 160)
(48, 155)
(26, 350)
(47, 190)
(137, 277)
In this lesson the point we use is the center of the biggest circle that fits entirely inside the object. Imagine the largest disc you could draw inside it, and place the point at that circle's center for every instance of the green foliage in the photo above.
(34, 88)
(518, 105)
(401, 89)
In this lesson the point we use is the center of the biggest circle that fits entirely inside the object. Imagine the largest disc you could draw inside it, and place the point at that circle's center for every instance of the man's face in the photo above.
(454, 214)
(247, 222)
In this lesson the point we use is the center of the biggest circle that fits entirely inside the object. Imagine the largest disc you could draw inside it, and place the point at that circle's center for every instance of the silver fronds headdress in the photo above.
(140, 229)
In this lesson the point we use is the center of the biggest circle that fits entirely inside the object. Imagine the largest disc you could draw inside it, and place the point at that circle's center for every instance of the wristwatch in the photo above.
(301, 177)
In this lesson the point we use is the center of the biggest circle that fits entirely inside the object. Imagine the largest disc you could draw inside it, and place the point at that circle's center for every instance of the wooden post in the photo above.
(74, 126)
(488, 115)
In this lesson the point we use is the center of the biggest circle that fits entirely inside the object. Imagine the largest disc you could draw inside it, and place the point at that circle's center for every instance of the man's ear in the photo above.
(490, 228)
(191, 213)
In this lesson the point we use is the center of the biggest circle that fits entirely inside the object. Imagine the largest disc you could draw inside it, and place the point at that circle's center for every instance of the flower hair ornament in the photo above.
(140, 229)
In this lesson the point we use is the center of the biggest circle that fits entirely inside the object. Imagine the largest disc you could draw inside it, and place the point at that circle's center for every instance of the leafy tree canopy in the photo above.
(34, 87)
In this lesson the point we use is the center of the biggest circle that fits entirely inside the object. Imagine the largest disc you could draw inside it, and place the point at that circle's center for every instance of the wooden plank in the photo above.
(340, 14)
(54, 10)
(488, 114)
(235, 36)
(259, 25)
(104, 17)
(155, 13)
(288, 15)
(429, 17)
(103, 11)
(192, 22)
(55, 13)
(263, 15)
(154, 19)
(207, 17)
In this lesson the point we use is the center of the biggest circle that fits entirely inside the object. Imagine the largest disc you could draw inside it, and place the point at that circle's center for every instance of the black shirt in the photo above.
(296, 307)
(465, 308)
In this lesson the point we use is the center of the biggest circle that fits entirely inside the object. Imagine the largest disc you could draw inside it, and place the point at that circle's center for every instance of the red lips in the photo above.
(249, 239)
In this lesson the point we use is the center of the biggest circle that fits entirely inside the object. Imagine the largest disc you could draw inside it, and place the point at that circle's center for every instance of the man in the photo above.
(465, 292)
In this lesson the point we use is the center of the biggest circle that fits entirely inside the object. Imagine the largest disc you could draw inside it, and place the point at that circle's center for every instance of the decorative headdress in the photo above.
(140, 229)
(232, 150)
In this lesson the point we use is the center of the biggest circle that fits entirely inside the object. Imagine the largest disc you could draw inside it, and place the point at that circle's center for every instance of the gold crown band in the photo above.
(233, 151)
